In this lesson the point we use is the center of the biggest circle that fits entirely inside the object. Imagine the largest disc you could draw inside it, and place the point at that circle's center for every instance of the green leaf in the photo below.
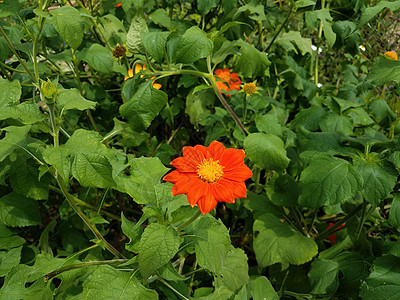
(98, 57)
(252, 62)
(266, 151)
(304, 3)
(24, 180)
(268, 124)
(19, 211)
(256, 11)
(372, 11)
(212, 243)
(204, 6)
(154, 43)
(133, 38)
(72, 99)
(193, 46)
(133, 231)
(379, 180)
(324, 276)
(384, 70)
(360, 116)
(9, 7)
(197, 103)
(328, 181)
(9, 260)
(91, 166)
(277, 242)
(10, 92)
(9, 239)
(394, 213)
(384, 281)
(60, 159)
(335, 123)
(324, 16)
(261, 287)
(283, 190)
(157, 246)
(107, 283)
(69, 24)
(308, 118)
(292, 39)
(16, 137)
(234, 273)
(160, 17)
(144, 106)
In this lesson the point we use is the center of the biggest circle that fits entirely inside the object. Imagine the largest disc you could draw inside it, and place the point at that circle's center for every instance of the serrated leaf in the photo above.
(266, 151)
(252, 62)
(69, 24)
(328, 181)
(72, 99)
(384, 281)
(24, 180)
(212, 243)
(90, 166)
(157, 246)
(292, 39)
(133, 231)
(204, 6)
(144, 106)
(9, 239)
(107, 283)
(372, 11)
(154, 43)
(19, 211)
(324, 276)
(335, 123)
(133, 38)
(234, 273)
(9, 260)
(193, 46)
(384, 70)
(16, 137)
(378, 181)
(324, 16)
(256, 11)
(277, 242)
(99, 57)
(59, 158)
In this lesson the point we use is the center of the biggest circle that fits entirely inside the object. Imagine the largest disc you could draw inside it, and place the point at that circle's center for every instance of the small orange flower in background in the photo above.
(391, 55)
(139, 68)
(209, 174)
(332, 237)
(118, 5)
(230, 81)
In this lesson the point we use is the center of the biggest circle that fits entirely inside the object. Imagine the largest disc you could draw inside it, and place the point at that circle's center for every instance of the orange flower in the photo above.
(230, 81)
(139, 68)
(391, 55)
(118, 5)
(209, 174)
(332, 237)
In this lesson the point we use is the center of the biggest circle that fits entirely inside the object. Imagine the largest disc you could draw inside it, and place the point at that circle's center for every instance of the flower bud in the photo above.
(49, 92)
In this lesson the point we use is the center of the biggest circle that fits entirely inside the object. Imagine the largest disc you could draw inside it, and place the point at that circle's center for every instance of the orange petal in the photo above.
(172, 177)
(197, 191)
(194, 154)
(138, 68)
(183, 164)
(238, 174)
(239, 190)
(157, 85)
(232, 158)
(184, 184)
(207, 203)
(216, 149)
(222, 190)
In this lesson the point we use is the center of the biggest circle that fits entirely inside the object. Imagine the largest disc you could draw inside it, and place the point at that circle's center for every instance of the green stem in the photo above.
(4, 71)
(188, 222)
(84, 218)
(330, 230)
(83, 203)
(50, 275)
(99, 31)
(362, 219)
(257, 181)
(280, 29)
(172, 288)
(35, 47)
(36, 80)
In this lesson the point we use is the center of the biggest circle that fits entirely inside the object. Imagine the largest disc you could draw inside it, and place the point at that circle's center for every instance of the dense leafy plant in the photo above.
(98, 97)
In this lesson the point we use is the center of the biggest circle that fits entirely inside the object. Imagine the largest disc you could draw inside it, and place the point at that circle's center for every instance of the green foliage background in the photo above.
(84, 212)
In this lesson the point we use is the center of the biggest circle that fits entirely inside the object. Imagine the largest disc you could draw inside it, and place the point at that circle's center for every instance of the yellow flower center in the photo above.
(250, 88)
(210, 170)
